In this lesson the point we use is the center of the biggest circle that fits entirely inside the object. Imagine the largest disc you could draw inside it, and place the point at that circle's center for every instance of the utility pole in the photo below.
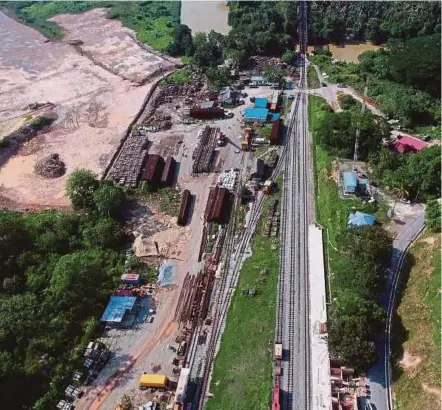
(355, 156)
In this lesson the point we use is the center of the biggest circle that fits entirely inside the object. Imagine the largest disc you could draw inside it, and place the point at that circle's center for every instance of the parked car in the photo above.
(340, 85)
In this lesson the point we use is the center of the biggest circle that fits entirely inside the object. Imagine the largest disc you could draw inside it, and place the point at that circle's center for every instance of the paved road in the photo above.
(377, 376)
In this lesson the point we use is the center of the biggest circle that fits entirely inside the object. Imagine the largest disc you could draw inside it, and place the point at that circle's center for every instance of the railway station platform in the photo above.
(320, 359)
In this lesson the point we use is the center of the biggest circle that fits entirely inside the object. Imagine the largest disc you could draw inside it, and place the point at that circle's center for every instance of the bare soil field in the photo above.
(111, 45)
(94, 106)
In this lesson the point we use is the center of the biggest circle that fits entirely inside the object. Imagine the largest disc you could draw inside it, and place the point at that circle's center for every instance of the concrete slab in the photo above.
(320, 359)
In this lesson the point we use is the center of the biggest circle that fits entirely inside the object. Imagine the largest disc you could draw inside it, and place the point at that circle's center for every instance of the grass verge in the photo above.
(417, 377)
(242, 377)
(312, 77)
(154, 22)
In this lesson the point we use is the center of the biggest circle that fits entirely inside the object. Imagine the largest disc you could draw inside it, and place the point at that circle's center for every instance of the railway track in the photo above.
(292, 324)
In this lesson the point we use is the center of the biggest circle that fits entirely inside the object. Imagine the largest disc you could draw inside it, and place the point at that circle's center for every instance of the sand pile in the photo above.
(50, 167)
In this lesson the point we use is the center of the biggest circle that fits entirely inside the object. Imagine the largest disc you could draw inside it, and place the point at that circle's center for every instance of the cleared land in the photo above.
(242, 377)
(93, 104)
(153, 21)
(417, 374)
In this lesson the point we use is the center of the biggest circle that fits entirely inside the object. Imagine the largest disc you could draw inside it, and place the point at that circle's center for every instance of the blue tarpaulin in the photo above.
(261, 103)
(276, 116)
(167, 274)
(361, 219)
(117, 308)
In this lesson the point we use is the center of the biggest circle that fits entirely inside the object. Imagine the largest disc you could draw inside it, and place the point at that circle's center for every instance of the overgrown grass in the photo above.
(339, 72)
(313, 80)
(419, 311)
(167, 200)
(154, 22)
(177, 77)
(242, 376)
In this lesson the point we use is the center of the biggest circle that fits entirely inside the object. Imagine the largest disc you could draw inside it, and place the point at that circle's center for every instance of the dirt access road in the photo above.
(95, 98)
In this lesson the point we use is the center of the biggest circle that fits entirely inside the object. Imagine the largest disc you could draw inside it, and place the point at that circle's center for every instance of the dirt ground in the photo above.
(94, 106)
(109, 44)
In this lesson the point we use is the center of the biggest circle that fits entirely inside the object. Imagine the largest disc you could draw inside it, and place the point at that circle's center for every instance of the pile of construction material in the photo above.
(203, 153)
(272, 223)
(228, 179)
(194, 299)
(258, 62)
(271, 158)
(127, 166)
(50, 167)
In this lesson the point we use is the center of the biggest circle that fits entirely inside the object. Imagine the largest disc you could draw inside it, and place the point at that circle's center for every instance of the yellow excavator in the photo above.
(247, 140)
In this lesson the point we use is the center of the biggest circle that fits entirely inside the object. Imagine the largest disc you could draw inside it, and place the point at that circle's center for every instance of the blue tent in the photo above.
(117, 307)
(361, 219)
(256, 114)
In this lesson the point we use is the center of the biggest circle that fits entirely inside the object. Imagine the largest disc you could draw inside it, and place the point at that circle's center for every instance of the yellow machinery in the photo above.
(247, 139)
(158, 381)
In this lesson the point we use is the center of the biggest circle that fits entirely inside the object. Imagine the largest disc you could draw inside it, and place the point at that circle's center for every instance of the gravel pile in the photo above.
(50, 167)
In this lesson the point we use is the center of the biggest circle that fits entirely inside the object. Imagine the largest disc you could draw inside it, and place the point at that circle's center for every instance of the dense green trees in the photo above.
(182, 43)
(373, 21)
(355, 315)
(56, 272)
(80, 189)
(416, 175)
(261, 27)
(337, 133)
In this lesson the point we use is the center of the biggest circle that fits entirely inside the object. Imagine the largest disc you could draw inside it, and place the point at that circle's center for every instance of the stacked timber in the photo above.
(127, 166)
(203, 153)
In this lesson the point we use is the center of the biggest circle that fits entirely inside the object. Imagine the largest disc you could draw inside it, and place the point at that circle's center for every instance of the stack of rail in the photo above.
(194, 298)
(127, 167)
(203, 153)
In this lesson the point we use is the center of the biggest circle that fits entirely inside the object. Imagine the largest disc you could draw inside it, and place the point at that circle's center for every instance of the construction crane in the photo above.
(355, 156)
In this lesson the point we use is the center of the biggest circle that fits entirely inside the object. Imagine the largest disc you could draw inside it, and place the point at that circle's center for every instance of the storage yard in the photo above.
(209, 169)
(148, 138)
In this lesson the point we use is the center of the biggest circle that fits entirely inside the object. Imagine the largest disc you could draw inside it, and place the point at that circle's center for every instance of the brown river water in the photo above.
(205, 16)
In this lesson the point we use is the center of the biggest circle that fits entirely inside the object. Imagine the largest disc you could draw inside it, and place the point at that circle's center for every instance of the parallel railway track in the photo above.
(292, 325)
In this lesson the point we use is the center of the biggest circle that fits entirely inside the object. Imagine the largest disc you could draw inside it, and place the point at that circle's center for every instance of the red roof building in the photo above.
(407, 143)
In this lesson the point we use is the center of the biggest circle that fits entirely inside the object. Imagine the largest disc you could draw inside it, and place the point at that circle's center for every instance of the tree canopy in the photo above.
(56, 272)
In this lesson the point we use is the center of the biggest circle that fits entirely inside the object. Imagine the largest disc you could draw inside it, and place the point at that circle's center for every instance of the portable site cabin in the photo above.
(350, 182)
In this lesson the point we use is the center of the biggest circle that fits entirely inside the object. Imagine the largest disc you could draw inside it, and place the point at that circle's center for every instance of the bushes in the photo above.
(433, 215)
(56, 273)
